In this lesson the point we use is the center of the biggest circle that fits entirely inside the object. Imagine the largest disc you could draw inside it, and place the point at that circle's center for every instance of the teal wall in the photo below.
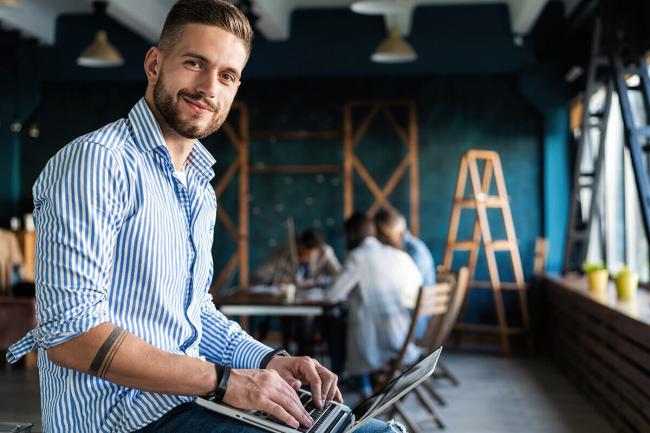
(455, 114)
(473, 87)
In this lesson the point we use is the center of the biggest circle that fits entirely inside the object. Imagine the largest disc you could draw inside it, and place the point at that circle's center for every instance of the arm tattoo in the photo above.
(106, 353)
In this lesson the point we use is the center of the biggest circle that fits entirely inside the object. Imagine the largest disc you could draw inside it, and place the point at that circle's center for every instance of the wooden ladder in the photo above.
(480, 200)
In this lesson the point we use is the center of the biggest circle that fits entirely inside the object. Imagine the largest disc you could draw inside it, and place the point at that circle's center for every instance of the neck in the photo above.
(179, 147)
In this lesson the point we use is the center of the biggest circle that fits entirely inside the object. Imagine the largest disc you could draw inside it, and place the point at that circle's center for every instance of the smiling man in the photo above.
(127, 332)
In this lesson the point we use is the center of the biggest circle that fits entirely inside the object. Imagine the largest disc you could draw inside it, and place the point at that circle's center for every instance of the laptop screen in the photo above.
(397, 387)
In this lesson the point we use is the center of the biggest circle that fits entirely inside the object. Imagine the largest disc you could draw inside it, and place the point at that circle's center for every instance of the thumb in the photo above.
(295, 384)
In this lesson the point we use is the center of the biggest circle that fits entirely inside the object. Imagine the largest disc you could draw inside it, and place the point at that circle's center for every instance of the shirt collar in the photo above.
(148, 136)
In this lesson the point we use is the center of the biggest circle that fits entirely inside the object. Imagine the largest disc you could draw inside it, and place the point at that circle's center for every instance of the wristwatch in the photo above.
(267, 358)
(223, 374)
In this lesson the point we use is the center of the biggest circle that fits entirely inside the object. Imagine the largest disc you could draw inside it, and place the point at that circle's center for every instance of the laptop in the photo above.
(336, 417)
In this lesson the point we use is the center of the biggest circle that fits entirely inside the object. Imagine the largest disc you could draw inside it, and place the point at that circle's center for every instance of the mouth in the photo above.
(197, 106)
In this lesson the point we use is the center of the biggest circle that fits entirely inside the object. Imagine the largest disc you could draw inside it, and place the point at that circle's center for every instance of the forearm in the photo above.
(120, 357)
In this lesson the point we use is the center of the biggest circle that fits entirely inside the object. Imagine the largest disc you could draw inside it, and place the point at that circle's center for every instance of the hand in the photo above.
(296, 370)
(265, 390)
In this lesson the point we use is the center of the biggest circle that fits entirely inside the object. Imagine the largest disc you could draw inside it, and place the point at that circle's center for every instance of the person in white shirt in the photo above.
(378, 283)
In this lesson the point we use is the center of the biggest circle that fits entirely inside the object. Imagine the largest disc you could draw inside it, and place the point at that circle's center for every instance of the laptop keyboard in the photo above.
(318, 415)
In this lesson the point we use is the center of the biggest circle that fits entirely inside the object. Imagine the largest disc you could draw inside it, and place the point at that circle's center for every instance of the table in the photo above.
(244, 303)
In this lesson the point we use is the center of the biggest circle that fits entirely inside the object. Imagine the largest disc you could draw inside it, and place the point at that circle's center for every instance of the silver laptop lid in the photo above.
(396, 388)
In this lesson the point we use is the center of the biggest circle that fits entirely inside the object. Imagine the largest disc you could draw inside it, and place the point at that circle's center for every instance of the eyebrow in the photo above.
(207, 61)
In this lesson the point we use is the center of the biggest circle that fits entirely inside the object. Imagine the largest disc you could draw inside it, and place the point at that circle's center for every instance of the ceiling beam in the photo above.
(144, 17)
(37, 18)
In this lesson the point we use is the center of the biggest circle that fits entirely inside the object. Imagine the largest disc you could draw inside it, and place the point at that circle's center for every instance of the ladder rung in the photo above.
(489, 201)
(480, 284)
(501, 245)
(462, 245)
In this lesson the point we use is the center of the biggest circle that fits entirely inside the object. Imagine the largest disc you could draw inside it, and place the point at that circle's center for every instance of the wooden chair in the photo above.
(440, 327)
(433, 301)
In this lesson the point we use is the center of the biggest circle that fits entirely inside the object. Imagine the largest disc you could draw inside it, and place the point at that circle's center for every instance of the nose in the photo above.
(209, 84)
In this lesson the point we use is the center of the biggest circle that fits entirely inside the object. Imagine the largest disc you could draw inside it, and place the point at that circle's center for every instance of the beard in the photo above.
(168, 107)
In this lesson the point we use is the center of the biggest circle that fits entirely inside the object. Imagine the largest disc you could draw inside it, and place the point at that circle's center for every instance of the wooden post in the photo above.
(351, 163)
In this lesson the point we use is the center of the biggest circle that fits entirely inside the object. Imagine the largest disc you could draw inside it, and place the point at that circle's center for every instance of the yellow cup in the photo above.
(626, 285)
(598, 280)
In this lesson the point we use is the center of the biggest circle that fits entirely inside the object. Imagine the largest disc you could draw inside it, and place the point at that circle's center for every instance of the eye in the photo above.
(228, 78)
(193, 64)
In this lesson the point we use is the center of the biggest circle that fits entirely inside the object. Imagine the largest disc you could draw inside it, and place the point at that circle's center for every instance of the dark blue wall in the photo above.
(473, 87)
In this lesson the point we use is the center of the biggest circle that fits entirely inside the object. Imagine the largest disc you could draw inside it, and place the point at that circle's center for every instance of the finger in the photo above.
(289, 393)
(278, 411)
(333, 386)
(294, 409)
(328, 383)
(338, 397)
(315, 383)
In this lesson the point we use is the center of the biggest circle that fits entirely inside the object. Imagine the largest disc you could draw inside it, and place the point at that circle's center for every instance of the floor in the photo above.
(497, 395)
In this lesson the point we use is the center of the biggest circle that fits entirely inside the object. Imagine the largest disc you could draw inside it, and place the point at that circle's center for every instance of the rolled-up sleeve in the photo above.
(78, 210)
(224, 341)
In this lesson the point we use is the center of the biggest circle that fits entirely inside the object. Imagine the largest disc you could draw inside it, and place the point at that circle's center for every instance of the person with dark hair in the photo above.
(316, 263)
(374, 279)
(127, 332)
(392, 230)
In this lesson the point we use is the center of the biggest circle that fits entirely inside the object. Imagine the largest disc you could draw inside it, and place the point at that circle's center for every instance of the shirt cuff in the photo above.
(249, 354)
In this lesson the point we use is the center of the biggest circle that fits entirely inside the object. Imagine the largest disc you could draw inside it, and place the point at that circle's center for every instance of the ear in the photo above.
(152, 63)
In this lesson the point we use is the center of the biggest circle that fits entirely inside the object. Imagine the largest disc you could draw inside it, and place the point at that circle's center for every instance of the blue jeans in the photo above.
(192, 418)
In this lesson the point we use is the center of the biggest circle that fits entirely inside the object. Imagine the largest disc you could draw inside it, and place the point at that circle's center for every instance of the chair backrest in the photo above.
(440, 331)
(433, 301)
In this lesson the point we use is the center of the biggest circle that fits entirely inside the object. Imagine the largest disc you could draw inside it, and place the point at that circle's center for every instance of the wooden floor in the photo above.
(497, 395)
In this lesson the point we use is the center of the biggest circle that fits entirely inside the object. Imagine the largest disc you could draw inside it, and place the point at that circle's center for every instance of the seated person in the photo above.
(374, 280)
(317, 263)
(392, 230)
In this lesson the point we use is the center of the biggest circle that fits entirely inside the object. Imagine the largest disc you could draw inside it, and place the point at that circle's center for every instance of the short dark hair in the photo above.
(310, 239)
(387, 221)
(358, 227)
(218, 13)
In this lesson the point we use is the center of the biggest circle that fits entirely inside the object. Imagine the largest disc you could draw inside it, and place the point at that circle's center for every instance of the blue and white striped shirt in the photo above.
(120, 239)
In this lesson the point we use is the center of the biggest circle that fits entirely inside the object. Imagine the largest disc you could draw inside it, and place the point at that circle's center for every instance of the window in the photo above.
(618, 236)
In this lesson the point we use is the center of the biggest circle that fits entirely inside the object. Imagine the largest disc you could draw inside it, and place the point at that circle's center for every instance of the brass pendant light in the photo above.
(100, 53)
(394, 49)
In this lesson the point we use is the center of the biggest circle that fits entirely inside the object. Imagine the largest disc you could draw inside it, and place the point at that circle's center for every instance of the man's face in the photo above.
(198, 79)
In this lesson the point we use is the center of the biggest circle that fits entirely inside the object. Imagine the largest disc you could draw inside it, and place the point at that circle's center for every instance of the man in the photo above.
(374, 280)
(392, 230)
(317, 263)
(127, 332)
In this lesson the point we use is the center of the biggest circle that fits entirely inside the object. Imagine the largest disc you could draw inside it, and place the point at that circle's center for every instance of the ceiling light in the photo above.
(16, 125)
(100, 54)
(394, 49)
(381, 7)
(34, 131)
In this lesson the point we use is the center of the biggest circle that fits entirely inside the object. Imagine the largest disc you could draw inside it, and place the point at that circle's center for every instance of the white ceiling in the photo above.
(37, 18)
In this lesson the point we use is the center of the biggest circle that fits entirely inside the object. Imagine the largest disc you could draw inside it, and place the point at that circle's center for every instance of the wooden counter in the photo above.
(603, 346)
